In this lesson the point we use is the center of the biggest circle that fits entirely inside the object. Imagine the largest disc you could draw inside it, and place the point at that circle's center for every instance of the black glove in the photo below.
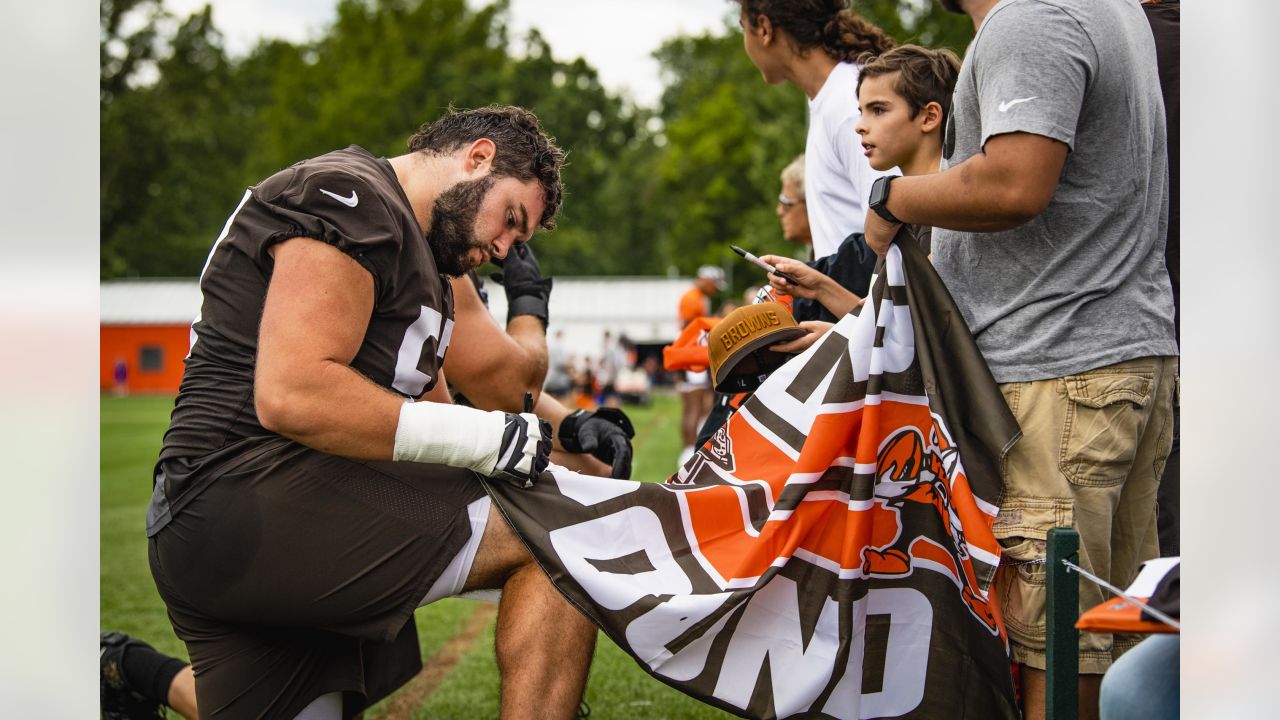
(524, 455)
(605, 433)
(527, 291)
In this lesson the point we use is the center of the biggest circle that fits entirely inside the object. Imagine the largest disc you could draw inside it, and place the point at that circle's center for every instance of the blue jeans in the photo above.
(1143, 683)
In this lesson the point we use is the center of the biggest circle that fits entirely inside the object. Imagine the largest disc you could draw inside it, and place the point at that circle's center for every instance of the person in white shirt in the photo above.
(816, 46)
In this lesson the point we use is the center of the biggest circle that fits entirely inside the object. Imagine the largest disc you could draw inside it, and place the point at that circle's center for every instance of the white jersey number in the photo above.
(430, 324)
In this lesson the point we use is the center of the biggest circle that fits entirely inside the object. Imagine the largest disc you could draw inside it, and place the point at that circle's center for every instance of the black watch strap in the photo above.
(879, 201)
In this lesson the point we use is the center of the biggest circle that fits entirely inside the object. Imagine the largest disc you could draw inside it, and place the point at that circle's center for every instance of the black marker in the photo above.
(768, 268)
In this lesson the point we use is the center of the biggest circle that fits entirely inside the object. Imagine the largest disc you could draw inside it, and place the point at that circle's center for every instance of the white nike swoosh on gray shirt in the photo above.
(1003, 107)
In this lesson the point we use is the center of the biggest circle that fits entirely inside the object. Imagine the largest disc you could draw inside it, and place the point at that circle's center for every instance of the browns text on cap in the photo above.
(739, 345)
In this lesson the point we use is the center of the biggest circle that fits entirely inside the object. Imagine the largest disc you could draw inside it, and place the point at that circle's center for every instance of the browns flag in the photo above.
(828, 553)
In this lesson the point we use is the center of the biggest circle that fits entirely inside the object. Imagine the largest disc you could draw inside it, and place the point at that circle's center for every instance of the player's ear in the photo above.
(930, 117)
(763, 29)
(478, 158)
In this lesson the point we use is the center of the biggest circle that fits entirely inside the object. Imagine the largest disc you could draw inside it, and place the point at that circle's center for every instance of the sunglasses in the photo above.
(788, 203)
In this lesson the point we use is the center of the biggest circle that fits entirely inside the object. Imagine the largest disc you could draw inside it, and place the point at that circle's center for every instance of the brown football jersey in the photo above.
(348, 199)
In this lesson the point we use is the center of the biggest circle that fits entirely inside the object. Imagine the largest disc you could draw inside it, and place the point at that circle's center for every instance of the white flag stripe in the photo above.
(769, 435)
(905, 399)
(981, 555)
(986, 507)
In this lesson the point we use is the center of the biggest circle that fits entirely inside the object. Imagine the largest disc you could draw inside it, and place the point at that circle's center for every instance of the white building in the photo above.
(642, 308)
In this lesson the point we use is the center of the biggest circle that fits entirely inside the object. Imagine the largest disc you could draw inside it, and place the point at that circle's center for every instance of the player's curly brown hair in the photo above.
(827, 24)
(523, 150)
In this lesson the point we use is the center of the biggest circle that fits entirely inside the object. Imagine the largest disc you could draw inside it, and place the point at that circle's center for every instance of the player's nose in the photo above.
(503, 244)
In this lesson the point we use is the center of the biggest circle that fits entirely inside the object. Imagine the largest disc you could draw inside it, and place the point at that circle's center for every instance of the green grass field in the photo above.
(130, 433)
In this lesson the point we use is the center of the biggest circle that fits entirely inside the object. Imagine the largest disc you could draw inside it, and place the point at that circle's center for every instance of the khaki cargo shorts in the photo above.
(1091, 456)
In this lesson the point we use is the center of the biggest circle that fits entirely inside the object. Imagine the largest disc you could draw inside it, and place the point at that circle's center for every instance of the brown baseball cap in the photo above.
(739, 345)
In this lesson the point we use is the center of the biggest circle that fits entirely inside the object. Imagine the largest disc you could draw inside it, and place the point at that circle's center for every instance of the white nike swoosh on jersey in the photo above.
(1004, 106)
(348, 201)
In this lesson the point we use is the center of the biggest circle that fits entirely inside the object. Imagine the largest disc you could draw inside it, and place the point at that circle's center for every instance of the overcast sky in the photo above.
(614, 36)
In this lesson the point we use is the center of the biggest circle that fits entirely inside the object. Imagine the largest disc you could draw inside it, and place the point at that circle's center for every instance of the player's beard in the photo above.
(452, 236)
(952, 6)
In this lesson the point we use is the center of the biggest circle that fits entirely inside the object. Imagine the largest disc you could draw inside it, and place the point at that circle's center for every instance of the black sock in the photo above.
(149, 672)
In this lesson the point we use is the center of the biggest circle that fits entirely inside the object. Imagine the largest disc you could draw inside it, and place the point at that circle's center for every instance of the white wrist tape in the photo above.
(457, 435)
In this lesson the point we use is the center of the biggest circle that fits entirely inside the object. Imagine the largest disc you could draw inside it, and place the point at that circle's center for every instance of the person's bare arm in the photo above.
(1007, 184)
(580, 462)
(553, 411)
(314, 319)
(814, 285)
(493, 368)
(439, 392)
(317, 310)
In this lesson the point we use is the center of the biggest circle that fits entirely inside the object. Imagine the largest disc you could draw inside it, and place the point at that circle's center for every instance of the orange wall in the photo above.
(126, 342)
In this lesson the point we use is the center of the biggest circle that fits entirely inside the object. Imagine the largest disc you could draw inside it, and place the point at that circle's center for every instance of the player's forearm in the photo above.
(530, 361)
(580, 462)
(549, 409)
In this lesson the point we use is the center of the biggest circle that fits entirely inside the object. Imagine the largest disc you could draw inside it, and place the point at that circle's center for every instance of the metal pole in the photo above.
(1062, 693)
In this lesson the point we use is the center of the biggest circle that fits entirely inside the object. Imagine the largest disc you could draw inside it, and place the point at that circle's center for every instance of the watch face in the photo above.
(878, 191)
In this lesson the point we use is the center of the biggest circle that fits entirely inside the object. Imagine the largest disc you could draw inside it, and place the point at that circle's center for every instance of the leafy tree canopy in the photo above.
(185, 127)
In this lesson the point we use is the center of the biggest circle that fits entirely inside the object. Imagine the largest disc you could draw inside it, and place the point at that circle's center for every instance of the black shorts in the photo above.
(295, 574)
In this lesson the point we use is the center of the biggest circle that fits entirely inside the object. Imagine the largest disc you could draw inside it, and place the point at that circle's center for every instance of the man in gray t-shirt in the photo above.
(1049, 221)
(1083, 284)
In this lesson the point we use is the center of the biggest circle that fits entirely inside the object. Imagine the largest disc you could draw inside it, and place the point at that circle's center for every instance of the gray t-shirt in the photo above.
(1083, 284)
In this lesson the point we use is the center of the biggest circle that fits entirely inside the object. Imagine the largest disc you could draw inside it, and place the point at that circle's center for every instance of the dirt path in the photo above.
(437, 667)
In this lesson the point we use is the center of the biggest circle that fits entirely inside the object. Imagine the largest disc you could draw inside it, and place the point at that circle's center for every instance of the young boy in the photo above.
(904, 96)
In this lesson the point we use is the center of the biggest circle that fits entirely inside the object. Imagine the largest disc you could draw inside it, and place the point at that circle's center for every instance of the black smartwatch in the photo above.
(880, 198)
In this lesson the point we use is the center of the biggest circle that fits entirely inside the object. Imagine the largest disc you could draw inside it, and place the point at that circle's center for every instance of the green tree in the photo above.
(728, 135)
(169, 157)
(176, 151)
(122, 53)
(647, 189)
(920, 22)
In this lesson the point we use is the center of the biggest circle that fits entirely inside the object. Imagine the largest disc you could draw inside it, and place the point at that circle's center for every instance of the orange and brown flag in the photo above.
(828, 553)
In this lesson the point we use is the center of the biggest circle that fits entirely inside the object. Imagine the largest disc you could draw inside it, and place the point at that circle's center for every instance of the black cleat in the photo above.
(119, 701)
